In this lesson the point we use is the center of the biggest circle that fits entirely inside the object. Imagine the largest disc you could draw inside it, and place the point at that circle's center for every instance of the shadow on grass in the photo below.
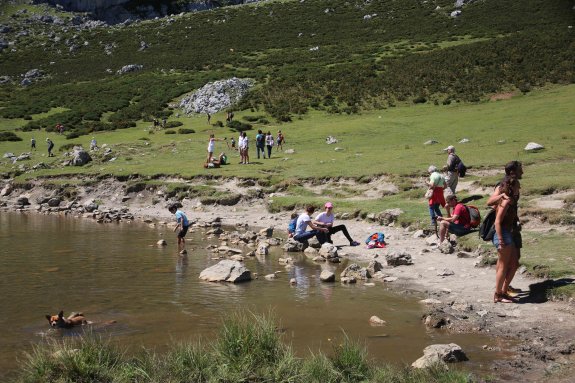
(474, 197)
(540, 292)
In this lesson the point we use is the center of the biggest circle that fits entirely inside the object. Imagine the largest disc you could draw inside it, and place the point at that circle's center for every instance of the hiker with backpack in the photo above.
(459, 223)
(505, 224)
(454, 167)
(513, 169)
(260, 144)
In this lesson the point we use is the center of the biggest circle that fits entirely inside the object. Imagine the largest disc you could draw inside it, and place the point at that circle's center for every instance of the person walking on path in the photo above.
(513, 169)
(452, 177)
(50, 147)
(181, 227)
(269, 143)
(303, 221)
(436, 186)
(325, 219)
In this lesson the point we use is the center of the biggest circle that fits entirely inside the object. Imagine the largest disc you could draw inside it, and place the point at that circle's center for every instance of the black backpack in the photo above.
(487, 227)
(461, 169)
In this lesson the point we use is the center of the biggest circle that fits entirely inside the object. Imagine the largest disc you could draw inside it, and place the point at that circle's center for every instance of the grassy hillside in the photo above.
(407, 52)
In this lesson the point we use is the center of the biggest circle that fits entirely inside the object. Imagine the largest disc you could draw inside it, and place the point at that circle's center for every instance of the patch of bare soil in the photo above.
(502, 96)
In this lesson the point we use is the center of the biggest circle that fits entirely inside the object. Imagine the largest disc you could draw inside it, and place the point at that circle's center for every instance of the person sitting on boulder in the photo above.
(303, 221)
(325, 219)
(458, 223)
(292, 224)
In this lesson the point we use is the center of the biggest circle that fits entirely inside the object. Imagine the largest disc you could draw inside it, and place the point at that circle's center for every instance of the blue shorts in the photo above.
(458, 229)
(507, 238)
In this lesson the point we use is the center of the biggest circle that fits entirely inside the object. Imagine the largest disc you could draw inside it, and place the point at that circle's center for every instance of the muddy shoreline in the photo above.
(455, 292)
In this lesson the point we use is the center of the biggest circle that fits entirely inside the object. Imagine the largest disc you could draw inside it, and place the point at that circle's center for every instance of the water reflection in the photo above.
(115, 272)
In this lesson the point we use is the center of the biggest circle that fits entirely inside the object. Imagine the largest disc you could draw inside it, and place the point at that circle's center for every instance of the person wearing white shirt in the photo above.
(303, 221)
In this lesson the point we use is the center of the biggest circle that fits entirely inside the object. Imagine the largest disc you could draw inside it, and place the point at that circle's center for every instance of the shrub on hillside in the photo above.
(239, 126)
(186, 131)
(9, 136)
(170, 132)
(173, 124)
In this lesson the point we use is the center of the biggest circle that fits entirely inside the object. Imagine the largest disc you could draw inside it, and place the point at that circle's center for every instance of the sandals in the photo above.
(503, 298)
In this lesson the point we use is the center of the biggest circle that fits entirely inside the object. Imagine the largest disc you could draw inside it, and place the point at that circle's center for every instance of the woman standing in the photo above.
(505, 222)
(436, 185)
(269, 143)
(246, 146)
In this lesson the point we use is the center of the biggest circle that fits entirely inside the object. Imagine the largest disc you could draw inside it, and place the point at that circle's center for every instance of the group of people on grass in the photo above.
(504, 199)
(263, 141)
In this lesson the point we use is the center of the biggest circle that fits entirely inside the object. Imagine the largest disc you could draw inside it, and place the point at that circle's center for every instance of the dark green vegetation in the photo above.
(248, 349)
(409, 52)
(9, 136)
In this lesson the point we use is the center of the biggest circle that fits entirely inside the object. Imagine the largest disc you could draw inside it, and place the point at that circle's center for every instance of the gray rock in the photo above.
(533, 147)
(80, 156)
(54, 202)
(162, 242)
(390, 279)
(292, 245)
(289, 151)
(263, 248)
(374, 267)
(455, 13)
(388, 216)
(226, 271)
(398, 258)
(355, 271)
(418, 234)
(446, 247)
(270, 277)
(464, 254)
(445, 273)
(9, 155)
(327, 276)
(313, 242)
(430, 142)
(328, 251)
(330, 140)
(376, 321)
(464, 141)
(310, 252)
(130, 68)
(6, 190)
(267, 232)
(22, 201)
(348, 280)
(440, 353)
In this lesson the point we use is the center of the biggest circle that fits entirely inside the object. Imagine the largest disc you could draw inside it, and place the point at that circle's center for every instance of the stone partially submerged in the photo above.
(440, 354)
(226, 271)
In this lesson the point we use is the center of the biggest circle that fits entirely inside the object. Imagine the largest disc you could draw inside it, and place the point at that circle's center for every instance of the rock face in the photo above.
(440, 353)
(216, 96)
(226, 271)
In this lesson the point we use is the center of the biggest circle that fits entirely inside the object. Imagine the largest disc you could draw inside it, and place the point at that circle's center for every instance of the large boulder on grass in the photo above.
(80, 157)
(388, 216)
(226, 271)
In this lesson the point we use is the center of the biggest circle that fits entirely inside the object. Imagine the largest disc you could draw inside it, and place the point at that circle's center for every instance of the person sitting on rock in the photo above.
(458, 223)
(303, 221)
(325, 219)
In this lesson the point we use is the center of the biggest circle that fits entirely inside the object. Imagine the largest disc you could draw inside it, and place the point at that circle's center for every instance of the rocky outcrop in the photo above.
(216, 96)
(355, 271)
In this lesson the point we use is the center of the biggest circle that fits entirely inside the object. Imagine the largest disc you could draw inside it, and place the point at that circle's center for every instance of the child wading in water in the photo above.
(181, 227)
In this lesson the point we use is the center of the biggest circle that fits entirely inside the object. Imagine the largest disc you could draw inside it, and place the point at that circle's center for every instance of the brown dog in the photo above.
(75, 319)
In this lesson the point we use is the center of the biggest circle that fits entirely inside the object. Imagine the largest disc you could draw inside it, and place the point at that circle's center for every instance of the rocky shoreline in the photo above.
(454, 287)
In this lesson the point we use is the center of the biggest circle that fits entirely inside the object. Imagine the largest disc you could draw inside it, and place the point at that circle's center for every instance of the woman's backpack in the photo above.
(474, 216)
(487, 228)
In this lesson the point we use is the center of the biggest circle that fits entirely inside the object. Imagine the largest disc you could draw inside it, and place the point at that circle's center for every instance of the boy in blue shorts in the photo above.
(182, 226)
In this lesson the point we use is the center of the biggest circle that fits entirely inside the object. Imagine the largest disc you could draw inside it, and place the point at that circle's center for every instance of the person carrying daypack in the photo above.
(454, 167)
(260, 143)
(460, 221)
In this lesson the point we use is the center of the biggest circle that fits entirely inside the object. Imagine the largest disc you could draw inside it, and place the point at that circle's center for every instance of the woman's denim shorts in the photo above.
(507, 238)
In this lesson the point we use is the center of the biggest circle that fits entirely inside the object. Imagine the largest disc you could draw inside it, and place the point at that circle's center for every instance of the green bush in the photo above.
(186, 131)
(239, 126)
(173, 124)
(9, 136)
(170, 132)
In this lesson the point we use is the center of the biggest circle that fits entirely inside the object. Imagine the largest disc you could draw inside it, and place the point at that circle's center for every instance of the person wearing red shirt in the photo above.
(458, 223)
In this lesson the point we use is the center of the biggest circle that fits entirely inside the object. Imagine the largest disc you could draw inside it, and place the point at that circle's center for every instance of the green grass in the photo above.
(248, 349)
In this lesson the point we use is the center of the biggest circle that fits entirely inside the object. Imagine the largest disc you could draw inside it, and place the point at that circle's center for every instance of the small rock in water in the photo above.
(376, 321)
(162, 242)
(293, 281)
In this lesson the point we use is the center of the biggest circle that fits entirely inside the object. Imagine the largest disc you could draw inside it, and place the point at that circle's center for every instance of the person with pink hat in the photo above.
(326, 218)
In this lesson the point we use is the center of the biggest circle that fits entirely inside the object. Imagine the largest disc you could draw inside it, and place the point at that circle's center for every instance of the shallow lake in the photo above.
(115, 272)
